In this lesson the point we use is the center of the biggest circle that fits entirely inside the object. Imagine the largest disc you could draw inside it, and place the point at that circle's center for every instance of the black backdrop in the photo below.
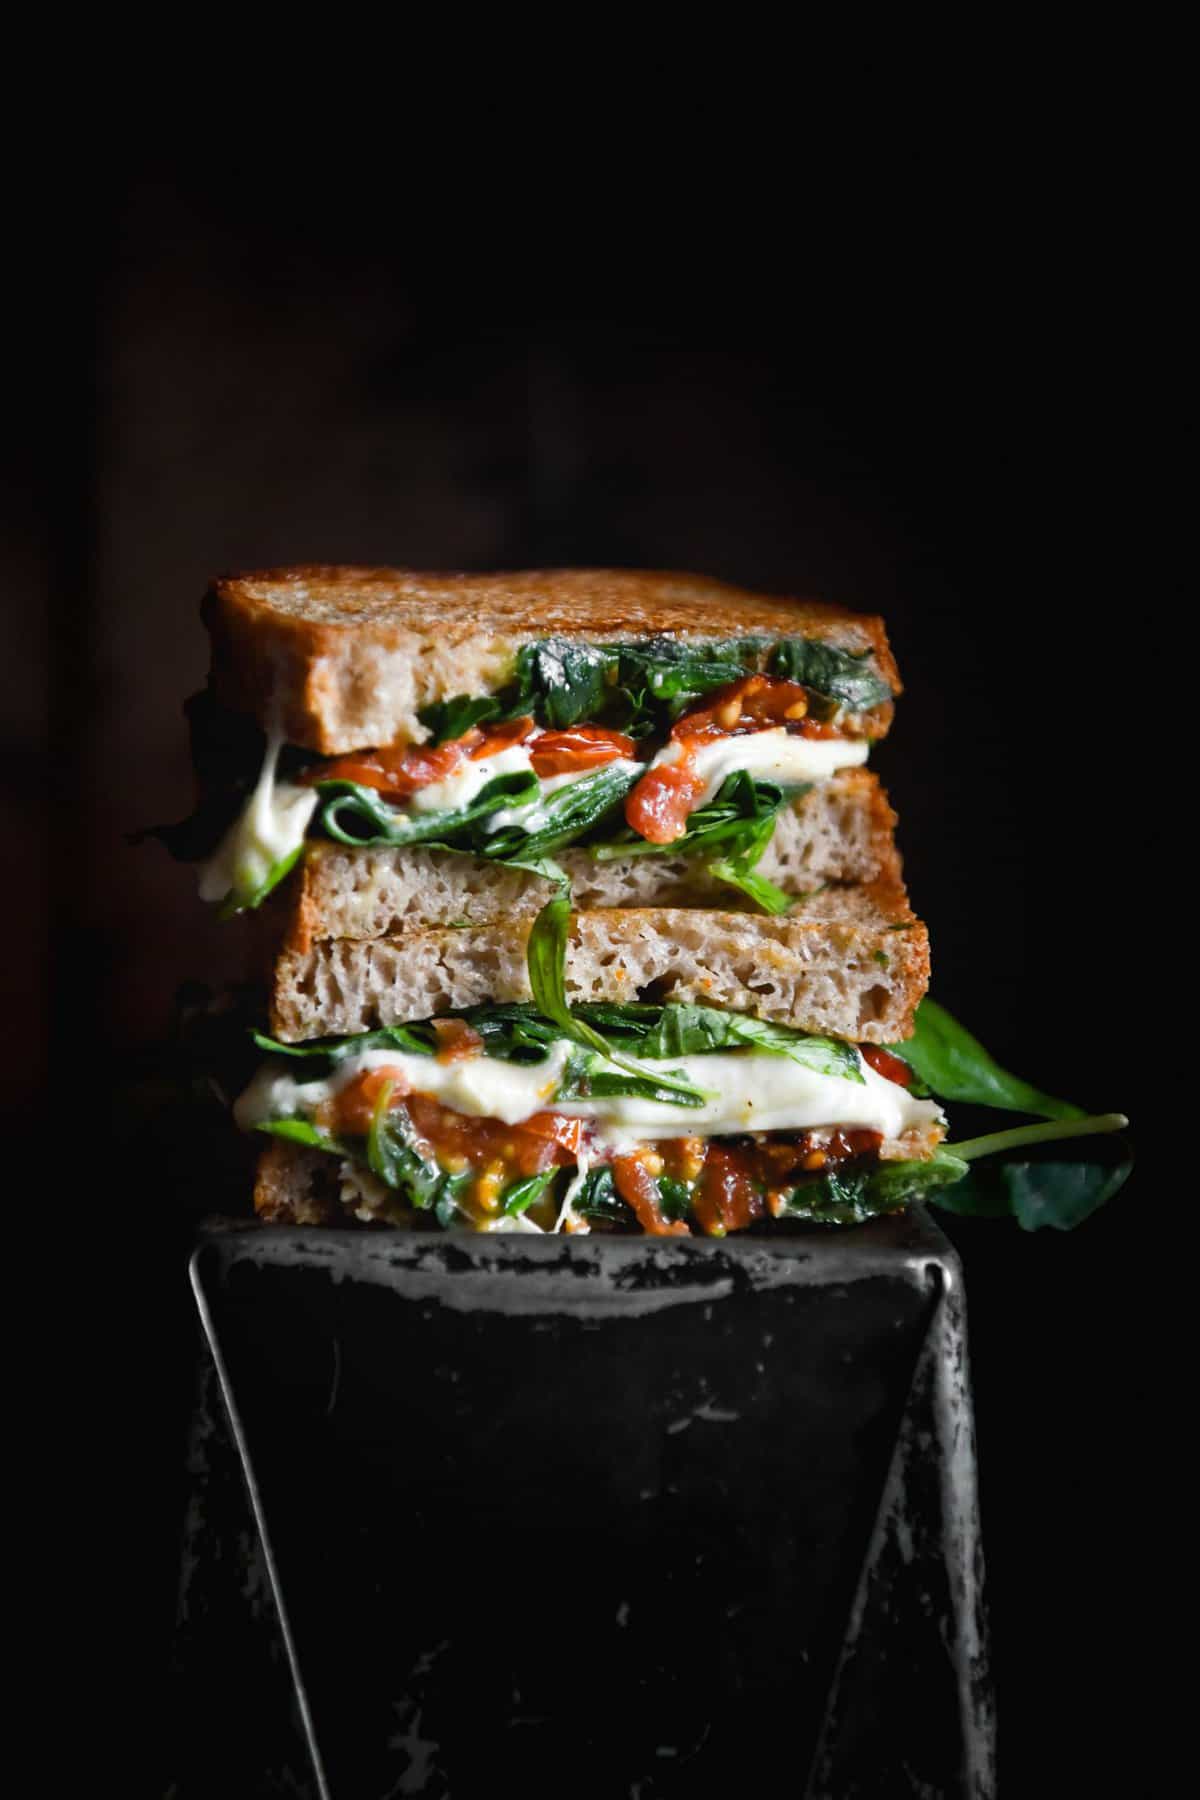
(928, 424)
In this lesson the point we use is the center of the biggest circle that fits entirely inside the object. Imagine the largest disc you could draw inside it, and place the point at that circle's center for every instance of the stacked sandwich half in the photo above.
(584, 910)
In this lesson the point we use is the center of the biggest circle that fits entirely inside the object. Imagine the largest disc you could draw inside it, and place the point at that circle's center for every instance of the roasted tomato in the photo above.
(583, 747)
(398, 773)
(659, 805)
(730, 1194)
(892, 1068)
(349, 1112)
(638, 1188)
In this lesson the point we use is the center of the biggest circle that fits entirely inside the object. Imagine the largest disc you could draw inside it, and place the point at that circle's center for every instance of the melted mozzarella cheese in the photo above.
(467, 781)
(269, 827)
(775, 755)
(749, 1090)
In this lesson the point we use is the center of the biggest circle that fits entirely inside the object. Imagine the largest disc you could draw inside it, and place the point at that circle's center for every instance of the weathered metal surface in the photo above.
(608, 1517)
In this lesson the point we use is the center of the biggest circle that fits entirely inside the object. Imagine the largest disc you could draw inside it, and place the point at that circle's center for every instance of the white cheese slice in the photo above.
(750, 1090)
(775, 755)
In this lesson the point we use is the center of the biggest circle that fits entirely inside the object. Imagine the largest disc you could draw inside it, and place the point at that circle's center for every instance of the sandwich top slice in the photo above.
(511, 716)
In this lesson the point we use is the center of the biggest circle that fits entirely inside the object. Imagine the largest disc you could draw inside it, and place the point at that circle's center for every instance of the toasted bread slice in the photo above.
(850, 962)
(339, 659)
(841, 830)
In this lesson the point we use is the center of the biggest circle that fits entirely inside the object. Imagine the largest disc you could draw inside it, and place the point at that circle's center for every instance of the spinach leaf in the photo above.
(840, 675)
(418, 1040)
(566, 814)
(379, 823)
(522, 1194)
(1060, 1195)
(955, 1066)
(547, 961)
(672, 671)
(738, 870)
(851, 1196)
(660, 1033)
(299, 1131)
(564, 683)
(394, 1155)
(446, 720)
(731, 831)
(598, 1198)
(234, 903)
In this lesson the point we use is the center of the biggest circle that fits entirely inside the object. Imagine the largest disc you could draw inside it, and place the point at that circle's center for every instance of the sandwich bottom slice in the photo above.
(664, 1118)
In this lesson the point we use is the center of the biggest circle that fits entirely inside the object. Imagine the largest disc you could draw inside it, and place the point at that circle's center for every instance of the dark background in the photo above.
(927, 414)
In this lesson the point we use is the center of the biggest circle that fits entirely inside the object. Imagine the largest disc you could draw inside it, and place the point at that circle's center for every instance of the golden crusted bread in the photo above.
(850, 962)
(341, 658)
(841, 830)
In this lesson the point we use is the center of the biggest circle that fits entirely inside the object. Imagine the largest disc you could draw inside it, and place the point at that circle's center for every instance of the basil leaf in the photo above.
(547, 961)
(841, 675)
(380, 823)
(1060, 1195)
(566, 814)
(522, 1194)
(957, 1067)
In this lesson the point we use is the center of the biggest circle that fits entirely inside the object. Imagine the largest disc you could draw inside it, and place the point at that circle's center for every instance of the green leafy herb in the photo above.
(566, 814)
(597, 1198)
(234, 902)
(522, 1194)
(1060, 1195)
(840, 675)
(955, 1066)
(547, 961)
(450, 719)
(299, 1131)
(660, 1033)
(357, 815)
(394, 1155)
(852, 1195)
(565, 683)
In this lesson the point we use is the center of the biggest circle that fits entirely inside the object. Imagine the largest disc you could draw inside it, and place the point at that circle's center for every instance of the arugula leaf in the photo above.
(383, 824)
(957, 1067)
(522, 1194)
(547, 961)
(840, 675)
(567, 813)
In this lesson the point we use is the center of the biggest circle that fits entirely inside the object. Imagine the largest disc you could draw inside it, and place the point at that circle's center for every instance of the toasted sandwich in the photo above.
(598, 921)
(676, 738)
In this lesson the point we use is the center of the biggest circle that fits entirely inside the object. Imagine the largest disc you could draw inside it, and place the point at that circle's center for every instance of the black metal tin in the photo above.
(599, 1516)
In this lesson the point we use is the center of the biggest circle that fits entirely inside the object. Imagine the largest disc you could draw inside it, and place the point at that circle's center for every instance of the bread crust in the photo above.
(340, 658)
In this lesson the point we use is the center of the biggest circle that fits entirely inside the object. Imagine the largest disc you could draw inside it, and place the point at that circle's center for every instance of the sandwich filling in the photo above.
(627, 751)
(698, 1120)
